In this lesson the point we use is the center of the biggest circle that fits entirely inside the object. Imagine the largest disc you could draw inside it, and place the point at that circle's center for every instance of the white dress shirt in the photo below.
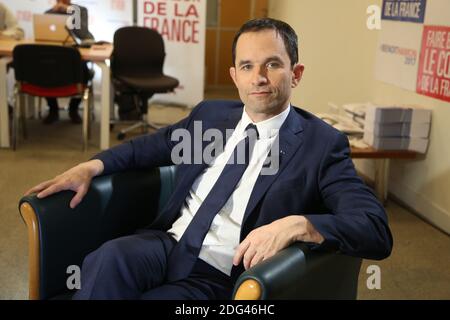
(222, 239)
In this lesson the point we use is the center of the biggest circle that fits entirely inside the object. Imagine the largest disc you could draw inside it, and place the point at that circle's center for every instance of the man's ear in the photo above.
(297, 74)
(233, 74)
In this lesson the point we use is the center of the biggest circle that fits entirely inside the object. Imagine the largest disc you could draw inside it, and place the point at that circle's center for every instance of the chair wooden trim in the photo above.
(249, 290)
(29, 216)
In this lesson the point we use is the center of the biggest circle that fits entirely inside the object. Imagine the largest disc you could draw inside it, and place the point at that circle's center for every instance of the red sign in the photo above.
(175, 20)
(434, 66)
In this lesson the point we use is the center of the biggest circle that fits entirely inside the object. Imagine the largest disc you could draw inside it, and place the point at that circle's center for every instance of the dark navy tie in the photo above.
(186, 251)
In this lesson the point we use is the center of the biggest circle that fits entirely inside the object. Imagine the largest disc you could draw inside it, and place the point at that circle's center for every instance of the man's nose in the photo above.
(259, 76)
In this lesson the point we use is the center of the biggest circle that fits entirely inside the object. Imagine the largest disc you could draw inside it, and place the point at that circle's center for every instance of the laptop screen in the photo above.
(50, 27)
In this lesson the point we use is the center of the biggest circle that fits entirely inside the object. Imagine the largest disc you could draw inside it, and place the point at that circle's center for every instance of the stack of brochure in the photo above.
(397, 127)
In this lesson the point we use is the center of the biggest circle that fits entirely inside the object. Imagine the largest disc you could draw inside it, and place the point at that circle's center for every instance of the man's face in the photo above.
(263, 73)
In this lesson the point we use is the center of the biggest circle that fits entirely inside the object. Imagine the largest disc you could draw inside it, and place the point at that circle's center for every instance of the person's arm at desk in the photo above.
(12, 29)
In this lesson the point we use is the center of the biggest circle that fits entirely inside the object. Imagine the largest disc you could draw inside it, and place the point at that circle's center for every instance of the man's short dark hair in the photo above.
(288, 34)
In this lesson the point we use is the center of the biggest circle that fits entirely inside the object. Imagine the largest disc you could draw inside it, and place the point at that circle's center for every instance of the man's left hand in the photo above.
(264, 242)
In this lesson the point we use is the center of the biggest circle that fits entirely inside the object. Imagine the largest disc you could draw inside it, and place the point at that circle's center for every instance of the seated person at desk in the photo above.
(226, 216)
(9, 28)
(61, 7)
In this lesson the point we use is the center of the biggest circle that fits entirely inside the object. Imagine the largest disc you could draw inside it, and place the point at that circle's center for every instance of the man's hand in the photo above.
(264, 242)
(76, 179)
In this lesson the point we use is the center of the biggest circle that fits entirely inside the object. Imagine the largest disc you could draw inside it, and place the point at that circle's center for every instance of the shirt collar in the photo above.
(268, 128)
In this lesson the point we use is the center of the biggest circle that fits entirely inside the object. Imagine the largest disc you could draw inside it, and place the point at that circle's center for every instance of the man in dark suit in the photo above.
(62, 7)
(296, 183)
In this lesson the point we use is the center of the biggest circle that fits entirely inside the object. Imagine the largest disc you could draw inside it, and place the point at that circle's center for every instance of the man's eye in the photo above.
(246, 67)
(273, 65)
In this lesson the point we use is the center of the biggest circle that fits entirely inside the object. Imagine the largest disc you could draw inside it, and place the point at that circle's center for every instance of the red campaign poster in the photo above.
(434, 66)
(182, 25)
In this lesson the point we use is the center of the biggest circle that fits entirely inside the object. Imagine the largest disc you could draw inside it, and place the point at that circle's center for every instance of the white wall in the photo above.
(335, 46)
(339, 53)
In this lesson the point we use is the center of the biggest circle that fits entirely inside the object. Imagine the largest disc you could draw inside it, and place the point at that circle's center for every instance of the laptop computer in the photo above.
(51, 28)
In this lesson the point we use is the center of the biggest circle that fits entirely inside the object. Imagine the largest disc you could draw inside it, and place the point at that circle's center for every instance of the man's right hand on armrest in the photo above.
(76, 179)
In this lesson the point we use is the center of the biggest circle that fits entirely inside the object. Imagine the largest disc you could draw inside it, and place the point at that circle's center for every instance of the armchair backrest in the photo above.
(115, 205)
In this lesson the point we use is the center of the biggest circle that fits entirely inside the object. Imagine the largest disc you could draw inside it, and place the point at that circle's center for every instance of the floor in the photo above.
(417, 269)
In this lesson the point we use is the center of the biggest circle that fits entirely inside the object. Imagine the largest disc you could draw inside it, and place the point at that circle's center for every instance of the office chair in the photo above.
(49, 71)
(137, 68)
(118, 204)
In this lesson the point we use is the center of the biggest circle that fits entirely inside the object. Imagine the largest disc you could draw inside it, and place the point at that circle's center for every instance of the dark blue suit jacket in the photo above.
(316, 178)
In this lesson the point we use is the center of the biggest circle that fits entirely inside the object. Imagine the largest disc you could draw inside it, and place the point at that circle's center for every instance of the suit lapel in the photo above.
(229, 123)
(290, 140)
(192, 171)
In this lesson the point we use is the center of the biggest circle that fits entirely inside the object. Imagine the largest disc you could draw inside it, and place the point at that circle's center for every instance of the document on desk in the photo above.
(341, 123)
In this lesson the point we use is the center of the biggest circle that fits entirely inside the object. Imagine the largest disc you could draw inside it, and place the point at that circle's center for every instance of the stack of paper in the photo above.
(341, 123)
(356, 112)
(397, 127)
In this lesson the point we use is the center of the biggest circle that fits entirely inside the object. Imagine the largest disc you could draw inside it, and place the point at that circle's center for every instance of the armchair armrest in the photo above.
(299, 273)
(59, 236)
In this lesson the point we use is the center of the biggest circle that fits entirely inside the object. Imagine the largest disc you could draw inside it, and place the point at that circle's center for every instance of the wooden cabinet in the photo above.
(224, 19)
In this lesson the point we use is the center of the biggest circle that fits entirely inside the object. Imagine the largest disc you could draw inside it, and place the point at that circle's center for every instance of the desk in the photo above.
(97, 54)
(382, 159)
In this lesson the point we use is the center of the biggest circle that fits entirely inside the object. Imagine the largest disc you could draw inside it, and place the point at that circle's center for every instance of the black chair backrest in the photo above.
(47, 65)
(137, 50)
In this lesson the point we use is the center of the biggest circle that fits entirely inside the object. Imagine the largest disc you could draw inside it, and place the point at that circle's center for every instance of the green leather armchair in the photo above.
(119, 204)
